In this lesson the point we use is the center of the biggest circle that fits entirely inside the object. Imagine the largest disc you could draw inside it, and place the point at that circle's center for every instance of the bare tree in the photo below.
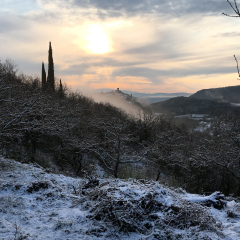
(119, 144)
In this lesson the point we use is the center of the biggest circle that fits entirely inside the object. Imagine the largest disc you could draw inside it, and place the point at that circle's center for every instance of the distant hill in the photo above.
(225, 94)
(157, 95)
(186, 105)
(147, 98)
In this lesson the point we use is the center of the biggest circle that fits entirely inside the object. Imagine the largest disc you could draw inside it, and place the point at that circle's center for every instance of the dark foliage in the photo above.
(61, 91)
(44, 78)
(50, 78)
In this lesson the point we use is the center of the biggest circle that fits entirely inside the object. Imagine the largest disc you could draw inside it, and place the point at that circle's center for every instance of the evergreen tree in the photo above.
(60, 91)
(44, 79)
(50, 78)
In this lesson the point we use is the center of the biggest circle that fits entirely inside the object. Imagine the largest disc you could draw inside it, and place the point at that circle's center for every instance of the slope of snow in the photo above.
(35, 204)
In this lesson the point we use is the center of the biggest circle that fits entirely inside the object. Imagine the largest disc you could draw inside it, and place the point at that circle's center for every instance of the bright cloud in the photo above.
(98, 40)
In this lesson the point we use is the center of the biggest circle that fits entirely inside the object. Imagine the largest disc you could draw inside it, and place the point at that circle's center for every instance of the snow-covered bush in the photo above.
(144, 208)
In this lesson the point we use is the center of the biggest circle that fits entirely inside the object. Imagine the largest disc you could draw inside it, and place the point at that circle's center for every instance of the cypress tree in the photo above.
(50, 78)
(61, 93)
(44, 80)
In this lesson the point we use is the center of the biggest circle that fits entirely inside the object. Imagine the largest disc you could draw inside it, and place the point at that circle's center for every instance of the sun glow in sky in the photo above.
(97, 39)
(144, 45)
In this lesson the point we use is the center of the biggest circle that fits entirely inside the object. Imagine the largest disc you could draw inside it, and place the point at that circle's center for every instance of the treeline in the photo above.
(74, 134)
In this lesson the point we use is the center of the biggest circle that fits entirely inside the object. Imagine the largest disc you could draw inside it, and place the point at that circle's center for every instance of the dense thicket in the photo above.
(76, 134)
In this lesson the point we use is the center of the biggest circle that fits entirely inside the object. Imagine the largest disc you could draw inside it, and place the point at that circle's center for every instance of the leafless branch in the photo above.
(237, 65)
(227, 169)
(236, 6)
(89, 148)
(144, 154)
(235, 9)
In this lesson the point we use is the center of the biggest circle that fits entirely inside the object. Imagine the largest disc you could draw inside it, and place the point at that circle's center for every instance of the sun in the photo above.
(97, 39)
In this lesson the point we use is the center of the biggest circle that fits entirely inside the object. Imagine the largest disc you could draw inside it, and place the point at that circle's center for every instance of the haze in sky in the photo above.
(139, 45)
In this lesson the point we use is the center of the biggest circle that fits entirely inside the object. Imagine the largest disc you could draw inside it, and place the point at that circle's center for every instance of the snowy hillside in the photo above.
(35, 204)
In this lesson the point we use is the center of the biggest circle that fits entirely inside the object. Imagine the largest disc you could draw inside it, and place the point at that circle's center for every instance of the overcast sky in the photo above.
(138, 45)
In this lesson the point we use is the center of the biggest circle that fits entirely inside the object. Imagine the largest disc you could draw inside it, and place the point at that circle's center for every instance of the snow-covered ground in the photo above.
(35, 204)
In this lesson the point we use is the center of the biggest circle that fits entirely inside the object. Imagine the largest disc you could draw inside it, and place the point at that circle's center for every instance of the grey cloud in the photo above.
(158, 51)
(203, 71)
(153, 48)
(109, 62)
(44, 17)
(75, 69)
(131, 69)
(138, 72)
(167, 45)
(167, 8)
(155, 74)
(175, 7)
(11, 24)
(90, 62)
(229, 34)
(28, 67)
(86, 9)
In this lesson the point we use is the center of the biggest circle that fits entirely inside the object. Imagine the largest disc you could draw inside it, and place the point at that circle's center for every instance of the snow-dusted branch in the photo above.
(143, 155)
(19, 115)
(90, 148)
